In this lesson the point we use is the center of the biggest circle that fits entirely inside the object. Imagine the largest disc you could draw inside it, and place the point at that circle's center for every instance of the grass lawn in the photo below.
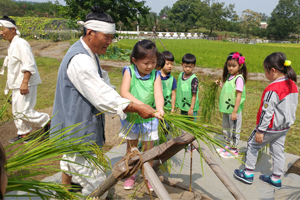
(48, 69)
(213, 54)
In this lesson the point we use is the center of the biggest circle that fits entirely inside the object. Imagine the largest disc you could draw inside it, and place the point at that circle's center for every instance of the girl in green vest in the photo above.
(142, 85)
(231, 102)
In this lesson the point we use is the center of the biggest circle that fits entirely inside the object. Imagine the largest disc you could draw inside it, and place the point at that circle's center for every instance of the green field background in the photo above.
(213, 54)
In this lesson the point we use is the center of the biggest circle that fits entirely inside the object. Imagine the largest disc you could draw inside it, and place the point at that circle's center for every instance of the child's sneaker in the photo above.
(150, 187)
(223, 149)
(268, 180)
(242, 176)
(231, 154)
(129, 183)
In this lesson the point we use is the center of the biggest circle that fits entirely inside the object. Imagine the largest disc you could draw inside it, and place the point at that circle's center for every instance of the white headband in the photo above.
(8, 24)
(99, 26)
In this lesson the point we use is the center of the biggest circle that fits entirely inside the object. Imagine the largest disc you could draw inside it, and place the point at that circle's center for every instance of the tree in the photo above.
(215, 15)
(120, 10)
(8, 7)
(284, 19)
(264, 17)
(184, 14)
(164, 10)
(250, 20)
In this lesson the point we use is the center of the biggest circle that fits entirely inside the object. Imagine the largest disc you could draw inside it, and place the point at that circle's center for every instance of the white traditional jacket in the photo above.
(19, 60)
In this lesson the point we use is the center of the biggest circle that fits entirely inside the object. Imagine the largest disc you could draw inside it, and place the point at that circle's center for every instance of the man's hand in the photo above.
(259, 137)
(24, 88)
(24, 85)
(143, 110)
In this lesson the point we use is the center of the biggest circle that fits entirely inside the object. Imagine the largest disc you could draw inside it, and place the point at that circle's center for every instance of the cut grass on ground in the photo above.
(48, 69)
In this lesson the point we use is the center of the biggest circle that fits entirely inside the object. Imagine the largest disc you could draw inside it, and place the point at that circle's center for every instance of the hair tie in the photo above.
(240, 59)
(287, 63)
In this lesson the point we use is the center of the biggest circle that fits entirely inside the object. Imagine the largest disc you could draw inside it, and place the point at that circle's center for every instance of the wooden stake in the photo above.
(158, 187)
(191, 168)
(219, 171)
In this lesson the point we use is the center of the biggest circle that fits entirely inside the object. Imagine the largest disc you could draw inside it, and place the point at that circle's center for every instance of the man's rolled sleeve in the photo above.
(88, 82)
(27, 59)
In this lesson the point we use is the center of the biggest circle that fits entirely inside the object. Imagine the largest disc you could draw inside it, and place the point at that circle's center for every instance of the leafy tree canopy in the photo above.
(164, 10)
(285, 19)
(120, 10)
(215, 15)
(250, 20)
(185, 13)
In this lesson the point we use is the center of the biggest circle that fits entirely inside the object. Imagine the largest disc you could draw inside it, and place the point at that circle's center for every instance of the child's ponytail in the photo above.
(278, 61)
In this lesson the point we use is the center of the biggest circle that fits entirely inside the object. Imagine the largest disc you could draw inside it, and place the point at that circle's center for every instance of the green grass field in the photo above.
(213, 54)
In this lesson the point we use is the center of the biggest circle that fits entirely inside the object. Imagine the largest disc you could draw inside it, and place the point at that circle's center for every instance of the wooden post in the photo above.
(219, 171)
(158, 187)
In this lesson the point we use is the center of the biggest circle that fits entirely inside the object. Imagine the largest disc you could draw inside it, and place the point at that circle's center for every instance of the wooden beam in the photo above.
(218, 171)
(158, 187)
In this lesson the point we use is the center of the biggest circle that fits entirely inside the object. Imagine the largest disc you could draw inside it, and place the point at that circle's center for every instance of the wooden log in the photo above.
(219, 171)
(174, 183)
(158, 187)
(161, 153)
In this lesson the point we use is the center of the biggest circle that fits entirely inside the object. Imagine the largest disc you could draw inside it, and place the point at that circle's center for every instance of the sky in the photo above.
(260, 6)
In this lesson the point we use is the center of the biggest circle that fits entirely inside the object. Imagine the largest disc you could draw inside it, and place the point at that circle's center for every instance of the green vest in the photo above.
(184, 93)
(167, 91)
(143, 90)
(228, 96)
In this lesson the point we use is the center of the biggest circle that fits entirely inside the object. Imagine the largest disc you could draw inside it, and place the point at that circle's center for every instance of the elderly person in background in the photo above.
(83, 91)
(22, 78)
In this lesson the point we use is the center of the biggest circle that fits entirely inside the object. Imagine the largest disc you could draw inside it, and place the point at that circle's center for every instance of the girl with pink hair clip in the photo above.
(231, 102)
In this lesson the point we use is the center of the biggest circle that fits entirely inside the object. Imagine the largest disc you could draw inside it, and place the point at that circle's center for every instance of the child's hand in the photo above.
(172, 111)
(218, 82)
(259, 137)
(159, 114)
(233, 116)
(191, 112)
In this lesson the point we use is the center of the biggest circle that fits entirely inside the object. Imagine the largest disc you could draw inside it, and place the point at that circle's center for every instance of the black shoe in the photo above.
(19, 137)
(268, 180)
(76, 187)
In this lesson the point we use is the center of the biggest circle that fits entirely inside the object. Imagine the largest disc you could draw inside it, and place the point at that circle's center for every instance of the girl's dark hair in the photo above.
(5, 17)
(160, 61)
(2, 167)
(189, 59)
(242, 70)
(168, 55)
(142, 49)
(276, 60)
(97, 14)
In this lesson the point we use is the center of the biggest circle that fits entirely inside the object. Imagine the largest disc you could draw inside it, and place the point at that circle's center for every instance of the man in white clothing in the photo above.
(83, 92)
(22, 78)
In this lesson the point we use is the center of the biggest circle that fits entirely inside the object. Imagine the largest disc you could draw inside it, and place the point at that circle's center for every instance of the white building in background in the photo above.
(263, 24)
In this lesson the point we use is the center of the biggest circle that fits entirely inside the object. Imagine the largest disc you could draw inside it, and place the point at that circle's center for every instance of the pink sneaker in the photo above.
(150, 187)
(129, 183)
(233, 154)
(223, 149)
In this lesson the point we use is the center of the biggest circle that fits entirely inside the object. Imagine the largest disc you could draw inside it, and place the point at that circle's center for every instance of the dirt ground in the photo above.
(57, 50)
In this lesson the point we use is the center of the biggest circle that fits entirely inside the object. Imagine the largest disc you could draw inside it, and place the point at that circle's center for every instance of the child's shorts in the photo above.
(144, 136)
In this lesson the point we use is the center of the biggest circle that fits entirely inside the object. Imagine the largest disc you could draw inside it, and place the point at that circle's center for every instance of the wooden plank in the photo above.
(156, 183)
(219, 171)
